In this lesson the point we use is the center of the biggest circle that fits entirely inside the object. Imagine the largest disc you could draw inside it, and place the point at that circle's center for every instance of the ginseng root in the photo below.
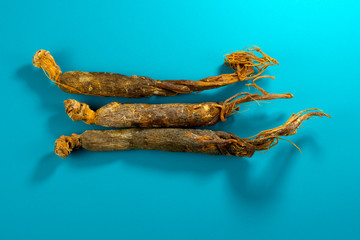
(181, 140)
(117, 85)
(163, 115)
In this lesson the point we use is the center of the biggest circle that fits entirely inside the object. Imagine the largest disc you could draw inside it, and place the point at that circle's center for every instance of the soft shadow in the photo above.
(83, 159)
(178, 162)
(35, 79)
(256, 190)
(311, 144)
(223, 69)
(248, 124)
(46, 167)
(60, 124)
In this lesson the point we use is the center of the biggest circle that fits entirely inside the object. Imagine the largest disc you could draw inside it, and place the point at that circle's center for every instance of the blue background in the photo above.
(159, 195)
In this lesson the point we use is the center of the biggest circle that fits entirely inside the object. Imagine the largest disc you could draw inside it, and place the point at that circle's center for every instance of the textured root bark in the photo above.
(117, 85)
(181, 140)
(163, 115)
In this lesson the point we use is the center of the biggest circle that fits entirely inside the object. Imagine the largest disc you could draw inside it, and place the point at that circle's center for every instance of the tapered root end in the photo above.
(287, 95)
(269, 138)
(230, 105)
(65, 144)
(294, 122)
(43, 59)
(297, 119)
(79, 111)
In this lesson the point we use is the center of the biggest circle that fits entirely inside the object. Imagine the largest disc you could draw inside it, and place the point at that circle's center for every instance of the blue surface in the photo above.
(159, 195)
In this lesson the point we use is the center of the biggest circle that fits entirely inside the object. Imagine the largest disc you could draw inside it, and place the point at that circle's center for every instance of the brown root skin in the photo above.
(163, 115)
(117, 85)
(65, 144)
(182, 140)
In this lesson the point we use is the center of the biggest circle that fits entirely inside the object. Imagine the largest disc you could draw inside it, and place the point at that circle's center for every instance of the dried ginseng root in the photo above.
(163, 115)
(180, 140)
(118, 85)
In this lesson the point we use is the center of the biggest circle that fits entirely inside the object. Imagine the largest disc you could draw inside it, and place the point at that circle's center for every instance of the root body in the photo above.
(118, 85)
(163, 115)
(181, 140)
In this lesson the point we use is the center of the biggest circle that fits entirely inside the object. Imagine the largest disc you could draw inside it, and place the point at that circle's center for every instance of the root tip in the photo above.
(43, 59)
(37, 56)
(79, 111)
(65, 144)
